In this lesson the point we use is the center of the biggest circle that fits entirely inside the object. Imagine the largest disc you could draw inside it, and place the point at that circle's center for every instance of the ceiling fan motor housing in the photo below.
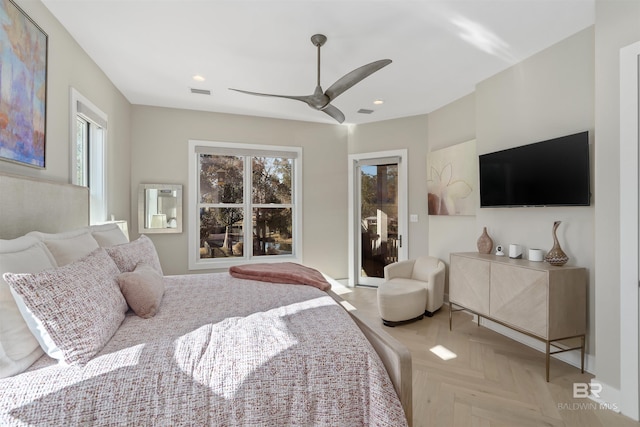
(318, 39)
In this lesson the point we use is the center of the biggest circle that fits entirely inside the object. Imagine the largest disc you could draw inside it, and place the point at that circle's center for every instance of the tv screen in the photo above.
(547, 173)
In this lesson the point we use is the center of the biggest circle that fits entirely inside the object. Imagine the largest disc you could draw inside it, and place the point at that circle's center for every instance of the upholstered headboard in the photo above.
(29, 204)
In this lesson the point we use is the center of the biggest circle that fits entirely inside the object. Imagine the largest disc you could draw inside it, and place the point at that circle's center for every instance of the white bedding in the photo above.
(220, 351)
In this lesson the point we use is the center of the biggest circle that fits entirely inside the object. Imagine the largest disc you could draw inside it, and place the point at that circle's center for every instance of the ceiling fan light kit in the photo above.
(321, 100)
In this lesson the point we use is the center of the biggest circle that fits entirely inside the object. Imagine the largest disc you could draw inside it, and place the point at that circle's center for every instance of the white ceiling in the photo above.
(440, 49)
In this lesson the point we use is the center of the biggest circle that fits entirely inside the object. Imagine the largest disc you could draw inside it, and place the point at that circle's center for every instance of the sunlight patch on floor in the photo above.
(443, 353)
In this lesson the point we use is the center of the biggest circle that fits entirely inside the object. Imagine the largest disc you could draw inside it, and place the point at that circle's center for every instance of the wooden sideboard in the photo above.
(535, 298)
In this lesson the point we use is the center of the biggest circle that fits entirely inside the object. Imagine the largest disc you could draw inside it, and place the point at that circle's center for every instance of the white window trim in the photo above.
(192, 208)
(627, 395)
(101, 192)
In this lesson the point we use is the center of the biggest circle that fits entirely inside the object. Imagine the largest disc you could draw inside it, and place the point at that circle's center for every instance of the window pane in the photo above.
(271, 180)
(272, 231)
(221, 179)
(82, 142)
(221, 232)
(379, 216)
(244, 196)
(96, 173)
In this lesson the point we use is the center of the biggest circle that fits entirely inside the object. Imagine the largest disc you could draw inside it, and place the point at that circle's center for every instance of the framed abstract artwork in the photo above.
(452, 177)
(23, 87)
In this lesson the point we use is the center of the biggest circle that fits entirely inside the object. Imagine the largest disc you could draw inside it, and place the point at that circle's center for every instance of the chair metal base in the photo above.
(392, 324)
(430, 313)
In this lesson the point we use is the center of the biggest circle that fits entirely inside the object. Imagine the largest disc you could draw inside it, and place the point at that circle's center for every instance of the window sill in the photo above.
(221, 263)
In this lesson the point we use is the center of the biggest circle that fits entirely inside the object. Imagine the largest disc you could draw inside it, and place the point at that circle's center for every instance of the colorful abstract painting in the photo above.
(23, 87)
(452, 180)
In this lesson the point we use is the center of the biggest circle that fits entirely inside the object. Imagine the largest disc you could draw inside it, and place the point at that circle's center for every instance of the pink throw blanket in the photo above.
(283, 272)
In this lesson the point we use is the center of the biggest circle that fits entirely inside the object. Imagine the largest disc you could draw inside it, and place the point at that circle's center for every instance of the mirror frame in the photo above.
(142, 208)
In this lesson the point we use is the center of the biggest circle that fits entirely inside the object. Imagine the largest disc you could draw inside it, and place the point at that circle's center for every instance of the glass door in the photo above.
(379, 238)
(378, 210)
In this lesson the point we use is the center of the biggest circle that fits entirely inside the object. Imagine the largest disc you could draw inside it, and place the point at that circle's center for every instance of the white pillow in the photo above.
(68, 246)
(108, 234)
(18, 347)
(73, 310)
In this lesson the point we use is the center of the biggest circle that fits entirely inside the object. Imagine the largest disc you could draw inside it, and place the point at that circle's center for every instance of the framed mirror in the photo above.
(159, 208)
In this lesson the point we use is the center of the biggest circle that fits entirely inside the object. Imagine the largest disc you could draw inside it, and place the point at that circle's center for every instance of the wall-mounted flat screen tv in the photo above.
(548, 173)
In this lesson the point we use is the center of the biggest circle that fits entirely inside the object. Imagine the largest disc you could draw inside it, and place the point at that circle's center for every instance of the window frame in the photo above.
(193, 205)
(97, 153)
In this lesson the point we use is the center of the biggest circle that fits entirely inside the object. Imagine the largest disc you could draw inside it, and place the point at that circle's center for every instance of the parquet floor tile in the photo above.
(493, 381)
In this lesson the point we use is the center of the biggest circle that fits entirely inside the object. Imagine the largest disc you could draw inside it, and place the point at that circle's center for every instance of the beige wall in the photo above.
(452, 124)
(160, 152)
(545, 96)
(409, 133)
(69, 66)
(617, 25)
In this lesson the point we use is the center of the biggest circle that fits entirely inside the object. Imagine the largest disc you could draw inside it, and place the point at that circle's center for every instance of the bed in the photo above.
(209, 349)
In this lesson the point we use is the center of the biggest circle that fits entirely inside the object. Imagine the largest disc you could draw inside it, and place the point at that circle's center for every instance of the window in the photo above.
(88, 143)
(247, 204)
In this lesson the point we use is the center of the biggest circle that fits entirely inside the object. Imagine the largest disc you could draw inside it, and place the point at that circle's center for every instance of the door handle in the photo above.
(400, 241)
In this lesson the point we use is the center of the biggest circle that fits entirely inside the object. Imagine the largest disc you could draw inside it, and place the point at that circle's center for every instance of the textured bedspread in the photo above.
(220, 352)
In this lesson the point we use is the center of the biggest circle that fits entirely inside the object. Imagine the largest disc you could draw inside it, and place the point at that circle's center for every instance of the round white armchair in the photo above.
(411, 289)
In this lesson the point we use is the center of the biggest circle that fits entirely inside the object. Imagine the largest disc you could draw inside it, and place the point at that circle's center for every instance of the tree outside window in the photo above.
(245, 192)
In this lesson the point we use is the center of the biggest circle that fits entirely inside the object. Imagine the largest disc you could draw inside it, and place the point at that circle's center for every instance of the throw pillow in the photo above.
(143, 289)
(129, 255)
(72, 310)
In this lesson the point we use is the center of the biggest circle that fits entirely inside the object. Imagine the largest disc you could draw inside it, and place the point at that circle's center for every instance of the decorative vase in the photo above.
(556, 255)
(485, 243)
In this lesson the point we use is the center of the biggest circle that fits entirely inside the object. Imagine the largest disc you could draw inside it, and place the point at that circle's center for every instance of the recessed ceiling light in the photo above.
(198, 78)
(378, 102)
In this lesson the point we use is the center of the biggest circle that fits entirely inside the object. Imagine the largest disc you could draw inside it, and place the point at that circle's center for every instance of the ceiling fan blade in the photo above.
(320, 100)
(306, 99)
(334, 112)
(355, 76)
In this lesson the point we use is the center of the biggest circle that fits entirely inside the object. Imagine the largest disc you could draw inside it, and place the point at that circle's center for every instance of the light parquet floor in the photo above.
(492, 382)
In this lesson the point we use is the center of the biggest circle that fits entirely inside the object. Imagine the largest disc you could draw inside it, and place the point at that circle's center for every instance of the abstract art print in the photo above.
(23, 87)
(452, 176)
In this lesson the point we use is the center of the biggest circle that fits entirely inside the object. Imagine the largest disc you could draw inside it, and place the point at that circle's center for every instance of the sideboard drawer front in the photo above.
(469, 283)
(519, 297)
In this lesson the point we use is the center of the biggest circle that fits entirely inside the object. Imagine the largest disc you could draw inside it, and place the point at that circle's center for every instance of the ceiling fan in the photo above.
(320, 100)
